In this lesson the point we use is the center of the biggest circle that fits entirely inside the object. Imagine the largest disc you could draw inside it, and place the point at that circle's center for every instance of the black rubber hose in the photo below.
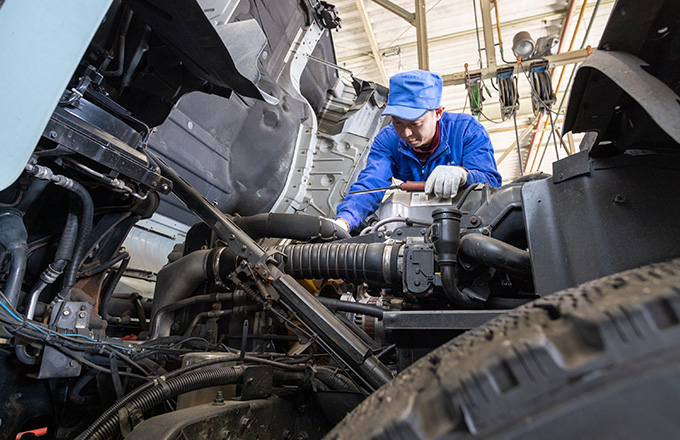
(155, 395)
(13, 238)
(105, 266)
(68, 238)
(348, 261)
(85, 224)
(352, 307)
(449, 284)
(111, 283)
(294, 226)
(495, 253)
(85, 227)
(335, 381)
(62, 257)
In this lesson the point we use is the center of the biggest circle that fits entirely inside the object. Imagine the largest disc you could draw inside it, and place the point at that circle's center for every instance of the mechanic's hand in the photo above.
(445, 181)
(342, 223)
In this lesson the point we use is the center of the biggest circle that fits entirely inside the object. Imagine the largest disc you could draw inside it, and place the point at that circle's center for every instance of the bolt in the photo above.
(232, 236)
(72, 364)
(416, 283)
(154, 184)
(380, 235)
(224, 434)
(53, 134)
(164, 187)
(474, 220)
(302, 408)
(398, 231)
(244, 248)
(560, 176)
(67, 312)
(302, 436)
(82, 315)
(219, 399)
(620, 199)
(244, 421)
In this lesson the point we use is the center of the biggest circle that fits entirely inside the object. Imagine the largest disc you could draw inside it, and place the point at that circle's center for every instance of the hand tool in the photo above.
(406, 186)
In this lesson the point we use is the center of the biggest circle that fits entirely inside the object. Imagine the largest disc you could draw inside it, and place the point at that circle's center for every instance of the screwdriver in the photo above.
(406, 186)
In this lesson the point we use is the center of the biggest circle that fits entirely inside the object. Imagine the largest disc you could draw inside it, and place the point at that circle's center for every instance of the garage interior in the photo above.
(379, 38)
(171, 264)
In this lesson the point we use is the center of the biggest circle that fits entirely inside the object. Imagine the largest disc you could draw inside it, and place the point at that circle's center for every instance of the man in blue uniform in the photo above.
(446, 150)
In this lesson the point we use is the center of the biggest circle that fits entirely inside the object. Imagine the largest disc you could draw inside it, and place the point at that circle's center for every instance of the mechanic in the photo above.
(450, 150)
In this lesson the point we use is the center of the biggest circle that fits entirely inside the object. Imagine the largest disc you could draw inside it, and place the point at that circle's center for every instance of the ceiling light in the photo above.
(523, 45)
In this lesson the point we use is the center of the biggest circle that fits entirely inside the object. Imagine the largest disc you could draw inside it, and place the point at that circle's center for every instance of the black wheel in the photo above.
(601, 361)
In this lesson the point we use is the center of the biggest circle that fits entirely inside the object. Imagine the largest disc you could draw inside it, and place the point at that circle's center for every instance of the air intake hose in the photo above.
(375, 262)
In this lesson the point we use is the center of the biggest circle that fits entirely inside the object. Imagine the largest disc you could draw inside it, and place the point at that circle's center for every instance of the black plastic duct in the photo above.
(445, 236)
(495, 253)
(294, 226)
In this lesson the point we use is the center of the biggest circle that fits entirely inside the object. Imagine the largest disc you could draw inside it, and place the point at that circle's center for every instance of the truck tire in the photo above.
(599, 361)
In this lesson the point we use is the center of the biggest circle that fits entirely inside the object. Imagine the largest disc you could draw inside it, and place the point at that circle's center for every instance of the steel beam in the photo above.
(561, 59)
(547, 16)
(397, 10)
(368, 28)
(421, 35)
(488, 30)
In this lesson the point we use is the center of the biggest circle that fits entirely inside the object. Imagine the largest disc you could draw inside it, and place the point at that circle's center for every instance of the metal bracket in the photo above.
(257, 383)
(658, 100)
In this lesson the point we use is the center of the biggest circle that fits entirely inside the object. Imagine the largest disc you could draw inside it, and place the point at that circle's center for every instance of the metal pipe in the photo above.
(421, 35)
(479, 42)
(352, 307)
(397, 10)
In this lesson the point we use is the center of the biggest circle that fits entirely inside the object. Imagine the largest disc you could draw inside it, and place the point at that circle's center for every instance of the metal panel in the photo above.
(438, 319)
(36, 67)
(601, 216)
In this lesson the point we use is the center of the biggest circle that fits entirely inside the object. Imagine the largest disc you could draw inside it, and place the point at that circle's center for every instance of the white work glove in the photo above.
(445, 181)
(342, 223)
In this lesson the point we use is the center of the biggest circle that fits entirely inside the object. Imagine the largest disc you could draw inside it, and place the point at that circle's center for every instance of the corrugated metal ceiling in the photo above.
(452, 38)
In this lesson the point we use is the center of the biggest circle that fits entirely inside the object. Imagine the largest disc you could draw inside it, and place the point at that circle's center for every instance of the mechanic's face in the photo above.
(418, 133)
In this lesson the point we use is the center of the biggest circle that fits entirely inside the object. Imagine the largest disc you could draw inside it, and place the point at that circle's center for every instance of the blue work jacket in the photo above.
(463, 141)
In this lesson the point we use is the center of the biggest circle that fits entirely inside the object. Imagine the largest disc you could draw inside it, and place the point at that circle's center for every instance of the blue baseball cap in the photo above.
(413, 93)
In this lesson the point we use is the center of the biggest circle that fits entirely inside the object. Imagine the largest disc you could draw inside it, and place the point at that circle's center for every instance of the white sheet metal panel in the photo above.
(41, 43)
